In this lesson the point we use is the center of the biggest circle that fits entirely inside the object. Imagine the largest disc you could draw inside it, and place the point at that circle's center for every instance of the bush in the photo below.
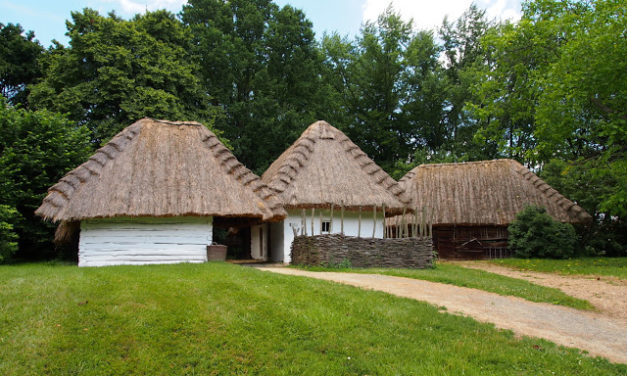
(535, 234)
(8, 237)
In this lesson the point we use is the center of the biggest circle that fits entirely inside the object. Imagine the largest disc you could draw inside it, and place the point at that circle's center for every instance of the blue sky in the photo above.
(47, 18)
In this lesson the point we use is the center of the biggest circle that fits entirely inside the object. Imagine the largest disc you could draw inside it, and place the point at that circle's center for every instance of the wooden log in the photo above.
(374, 222)
(424, 220)
(359, 224)
(403, 233)
(415, 224)
(304, 222)
(342, 218)
(331, 221)
(320, 220)
(385, 228)
(312, 221)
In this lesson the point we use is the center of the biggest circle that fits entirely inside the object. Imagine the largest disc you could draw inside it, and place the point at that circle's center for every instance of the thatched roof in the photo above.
(325, 167)
(159, 168)
(484, 192)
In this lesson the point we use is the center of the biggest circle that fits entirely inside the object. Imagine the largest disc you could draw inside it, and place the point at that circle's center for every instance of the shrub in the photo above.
(8, 237)
(535, 234)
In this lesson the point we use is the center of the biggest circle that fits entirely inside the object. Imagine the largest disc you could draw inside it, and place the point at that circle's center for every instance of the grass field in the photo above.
(219, 319)
(478, 279)
(607, 266)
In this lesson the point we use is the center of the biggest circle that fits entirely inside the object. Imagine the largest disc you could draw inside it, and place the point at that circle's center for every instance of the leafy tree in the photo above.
(582, 111)
(117, 71)
(465, 60)
(262, 66)
(36, 149)
(8, 237)
(19, 54)
(389, 86)
(590, 184)
(535, 234)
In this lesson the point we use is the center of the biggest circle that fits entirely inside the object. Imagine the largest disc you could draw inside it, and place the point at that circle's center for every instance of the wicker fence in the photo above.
(338, 249)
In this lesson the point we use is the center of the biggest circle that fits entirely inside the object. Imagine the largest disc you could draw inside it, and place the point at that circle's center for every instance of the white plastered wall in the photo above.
(259, 242)
(283, 234)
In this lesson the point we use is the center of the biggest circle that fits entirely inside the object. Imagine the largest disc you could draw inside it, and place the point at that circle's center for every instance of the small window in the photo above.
(326, 226)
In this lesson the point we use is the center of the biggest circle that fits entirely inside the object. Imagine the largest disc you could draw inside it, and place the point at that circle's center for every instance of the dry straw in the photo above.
(324, 168)
(484, 192)
(159, 168)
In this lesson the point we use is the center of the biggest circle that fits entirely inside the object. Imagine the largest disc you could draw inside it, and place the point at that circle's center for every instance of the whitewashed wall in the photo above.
(137, 241)
(281, 243)
(259, 242)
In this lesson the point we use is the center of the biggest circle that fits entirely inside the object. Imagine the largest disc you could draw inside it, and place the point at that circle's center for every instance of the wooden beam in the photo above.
(359, 224)
(374, 222)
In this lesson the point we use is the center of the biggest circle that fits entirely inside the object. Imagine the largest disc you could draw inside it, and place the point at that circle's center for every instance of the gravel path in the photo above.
(596, 333)
(607, 294)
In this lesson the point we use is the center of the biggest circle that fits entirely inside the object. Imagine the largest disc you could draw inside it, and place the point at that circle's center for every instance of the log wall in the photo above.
(335, 249)
(136, 241)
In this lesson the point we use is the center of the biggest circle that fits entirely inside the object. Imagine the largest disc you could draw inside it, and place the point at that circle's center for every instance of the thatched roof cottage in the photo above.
(325, 171)
(153, 194)
(471, 204)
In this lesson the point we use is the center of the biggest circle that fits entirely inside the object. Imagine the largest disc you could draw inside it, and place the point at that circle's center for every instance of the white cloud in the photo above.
(429, 14)
(131, 7)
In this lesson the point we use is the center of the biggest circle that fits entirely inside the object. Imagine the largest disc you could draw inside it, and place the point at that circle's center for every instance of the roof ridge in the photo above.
(232, 166)
(302, 148)
(548, 191)
(497, 160)
(61, 193)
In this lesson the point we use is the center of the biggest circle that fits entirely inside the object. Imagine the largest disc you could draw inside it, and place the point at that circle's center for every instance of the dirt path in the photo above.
(593, 332)
(608, 294)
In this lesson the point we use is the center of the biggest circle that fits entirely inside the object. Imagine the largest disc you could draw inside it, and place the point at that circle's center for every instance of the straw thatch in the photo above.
(324, 167)
(484, 193)
(159, 168)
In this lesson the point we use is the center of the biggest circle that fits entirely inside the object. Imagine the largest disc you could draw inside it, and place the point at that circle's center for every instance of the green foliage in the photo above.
(19, 54)
(36, 149)
(535, 234)
(262, 66)
(116, 72)
(594, 184)
(225, 319)
(388, 88)
(8, 237)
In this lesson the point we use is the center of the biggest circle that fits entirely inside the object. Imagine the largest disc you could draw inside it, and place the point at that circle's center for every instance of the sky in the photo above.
(47, 18)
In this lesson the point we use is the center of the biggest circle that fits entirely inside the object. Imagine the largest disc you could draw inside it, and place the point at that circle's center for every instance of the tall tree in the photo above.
(19, 54)
(116, 71)
(464, 56)
(262, 66)
(388, 83)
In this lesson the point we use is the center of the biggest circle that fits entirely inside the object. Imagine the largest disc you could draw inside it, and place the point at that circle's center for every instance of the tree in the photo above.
(8, 237)
(36, 149)
(465, 59)
(19, 54)
(389, 87)
(262, 66)
(117, 71)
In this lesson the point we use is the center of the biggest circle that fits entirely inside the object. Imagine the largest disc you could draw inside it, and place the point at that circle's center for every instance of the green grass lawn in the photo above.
(221, 319)
(607, 266)
(478, 279)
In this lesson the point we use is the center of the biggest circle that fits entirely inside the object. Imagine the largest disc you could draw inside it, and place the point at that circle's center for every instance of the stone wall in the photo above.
(338, 249)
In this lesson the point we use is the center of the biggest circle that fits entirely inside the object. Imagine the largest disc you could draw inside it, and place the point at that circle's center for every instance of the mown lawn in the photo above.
(608, 266)
(477, 279)
(221, 319)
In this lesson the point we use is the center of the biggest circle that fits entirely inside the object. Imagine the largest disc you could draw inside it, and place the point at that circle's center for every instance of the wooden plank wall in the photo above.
(136, 241)
(470, 242)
